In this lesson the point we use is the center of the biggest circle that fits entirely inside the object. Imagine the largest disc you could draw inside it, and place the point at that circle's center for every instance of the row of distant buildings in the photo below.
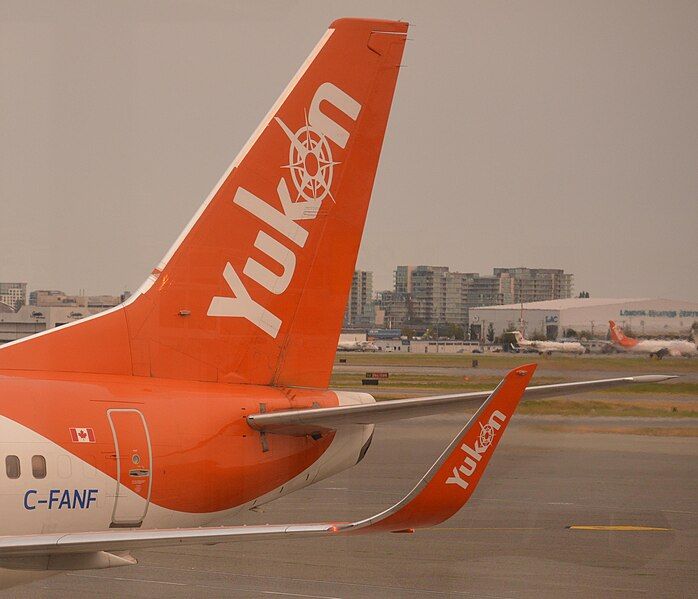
(433, 295)
(536, 301)
(22, 314)
(14, 295)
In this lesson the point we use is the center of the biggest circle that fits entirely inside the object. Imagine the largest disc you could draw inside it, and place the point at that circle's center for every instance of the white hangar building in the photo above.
(552, 318)
(35, 319)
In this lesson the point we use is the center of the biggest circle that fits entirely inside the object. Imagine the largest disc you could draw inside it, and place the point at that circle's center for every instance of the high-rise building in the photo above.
(392, 309)
(481, 290)
(518, 285)
(360, 309)
(427, 295)
(403, 279)
(13, 294)
(430, 294)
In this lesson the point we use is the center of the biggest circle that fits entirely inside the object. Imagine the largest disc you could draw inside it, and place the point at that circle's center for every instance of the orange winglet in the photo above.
(450, 482)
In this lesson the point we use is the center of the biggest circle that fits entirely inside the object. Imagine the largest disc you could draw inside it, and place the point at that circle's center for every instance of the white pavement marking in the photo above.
(123, 578)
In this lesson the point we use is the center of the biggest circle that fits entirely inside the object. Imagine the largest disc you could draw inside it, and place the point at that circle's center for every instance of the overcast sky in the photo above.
(541, 133)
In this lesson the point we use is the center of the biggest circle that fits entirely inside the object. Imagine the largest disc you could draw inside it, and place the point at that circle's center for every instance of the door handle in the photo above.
(139, 473)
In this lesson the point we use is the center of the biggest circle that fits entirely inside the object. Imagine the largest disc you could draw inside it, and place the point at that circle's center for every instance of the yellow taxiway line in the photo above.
(620, 528)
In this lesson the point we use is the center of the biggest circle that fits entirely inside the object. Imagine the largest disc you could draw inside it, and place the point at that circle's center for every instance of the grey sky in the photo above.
(546, 133)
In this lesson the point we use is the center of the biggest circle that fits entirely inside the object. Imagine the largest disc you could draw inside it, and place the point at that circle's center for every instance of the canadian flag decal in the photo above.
(82, 435)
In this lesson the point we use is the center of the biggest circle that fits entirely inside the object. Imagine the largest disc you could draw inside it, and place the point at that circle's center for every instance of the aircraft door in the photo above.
(134, 459)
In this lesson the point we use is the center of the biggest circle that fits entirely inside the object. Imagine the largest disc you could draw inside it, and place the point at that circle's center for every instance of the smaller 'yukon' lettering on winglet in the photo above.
(474, 454)
(456, 480)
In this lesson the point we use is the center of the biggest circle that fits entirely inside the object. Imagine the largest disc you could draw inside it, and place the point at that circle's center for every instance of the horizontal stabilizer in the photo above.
(314, 420)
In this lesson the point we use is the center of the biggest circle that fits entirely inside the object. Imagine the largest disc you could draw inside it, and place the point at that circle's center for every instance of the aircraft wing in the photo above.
(441, 492)
(318, 420)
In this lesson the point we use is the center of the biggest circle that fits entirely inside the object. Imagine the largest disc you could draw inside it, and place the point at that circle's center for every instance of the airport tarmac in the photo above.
(511, 540)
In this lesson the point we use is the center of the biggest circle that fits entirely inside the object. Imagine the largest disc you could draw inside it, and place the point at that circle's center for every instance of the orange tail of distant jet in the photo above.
(619, 337)
(257, 282)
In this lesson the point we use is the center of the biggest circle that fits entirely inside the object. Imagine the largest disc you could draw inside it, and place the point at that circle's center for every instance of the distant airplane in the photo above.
(651, 347)
(205, 393)
(549, 347)
(357, 346)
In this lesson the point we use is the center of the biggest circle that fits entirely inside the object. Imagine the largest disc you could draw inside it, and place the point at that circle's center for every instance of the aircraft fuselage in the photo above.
(89, 452)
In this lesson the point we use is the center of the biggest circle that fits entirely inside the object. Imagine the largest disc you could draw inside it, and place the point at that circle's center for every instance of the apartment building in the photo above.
(360, 309)
(13, 294)
(521, 284)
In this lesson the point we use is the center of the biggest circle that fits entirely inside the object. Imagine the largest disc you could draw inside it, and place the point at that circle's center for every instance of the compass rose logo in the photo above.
(310, 164)
(311, 168)
(486, 435)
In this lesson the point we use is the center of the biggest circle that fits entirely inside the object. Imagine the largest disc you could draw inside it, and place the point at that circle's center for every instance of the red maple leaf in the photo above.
(82, 434)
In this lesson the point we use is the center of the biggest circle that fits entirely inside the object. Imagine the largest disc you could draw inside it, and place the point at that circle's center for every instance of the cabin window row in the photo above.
(13, 467)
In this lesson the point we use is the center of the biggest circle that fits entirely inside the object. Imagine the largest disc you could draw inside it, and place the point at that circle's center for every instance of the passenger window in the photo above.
(39, 466)
(64, 467)
(12, 466)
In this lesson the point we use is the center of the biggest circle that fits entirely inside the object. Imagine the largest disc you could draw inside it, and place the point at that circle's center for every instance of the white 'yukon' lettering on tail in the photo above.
(312, 179)
(280, 253)
(474, 454)
(242, 305)
(320, 121)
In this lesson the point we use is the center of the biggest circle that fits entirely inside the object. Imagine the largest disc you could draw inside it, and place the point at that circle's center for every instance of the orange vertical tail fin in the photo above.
(619, 337)
(254, 289)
